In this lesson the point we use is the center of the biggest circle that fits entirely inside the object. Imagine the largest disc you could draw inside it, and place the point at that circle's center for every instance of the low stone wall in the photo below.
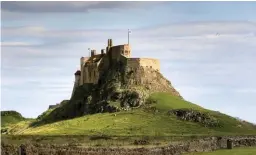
(176, 148)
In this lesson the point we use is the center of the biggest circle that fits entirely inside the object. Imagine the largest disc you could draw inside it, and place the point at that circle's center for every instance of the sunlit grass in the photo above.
(140, 122)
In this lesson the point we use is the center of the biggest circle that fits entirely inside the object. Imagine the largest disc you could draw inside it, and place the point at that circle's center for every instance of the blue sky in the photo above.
(42, 43)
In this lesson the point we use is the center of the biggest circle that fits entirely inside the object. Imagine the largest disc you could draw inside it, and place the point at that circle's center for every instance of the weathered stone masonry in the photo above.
(92, 67)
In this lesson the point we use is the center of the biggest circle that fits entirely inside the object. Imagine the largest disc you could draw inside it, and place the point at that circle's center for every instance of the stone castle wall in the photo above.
(91, 72)
(150, 63)
(143, 62)
(133, 63)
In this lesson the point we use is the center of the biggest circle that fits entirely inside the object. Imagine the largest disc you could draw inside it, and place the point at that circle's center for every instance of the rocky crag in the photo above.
(119, 88)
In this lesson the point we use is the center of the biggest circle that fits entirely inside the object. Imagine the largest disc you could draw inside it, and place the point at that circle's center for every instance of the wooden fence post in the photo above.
(22, 150)
(229, 144)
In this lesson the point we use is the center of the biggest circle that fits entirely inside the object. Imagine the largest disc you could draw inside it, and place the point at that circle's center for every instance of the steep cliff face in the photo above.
(151, 80)
(119, 88)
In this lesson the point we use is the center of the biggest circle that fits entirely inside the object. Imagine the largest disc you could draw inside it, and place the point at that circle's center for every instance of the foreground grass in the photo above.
(235, 151)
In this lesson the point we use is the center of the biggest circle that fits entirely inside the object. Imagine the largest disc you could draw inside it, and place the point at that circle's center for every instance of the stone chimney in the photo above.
(93, 52)
(102, 51)
(110, 43)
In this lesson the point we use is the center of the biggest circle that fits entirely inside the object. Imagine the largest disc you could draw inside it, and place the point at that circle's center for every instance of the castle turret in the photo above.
(77, 81)
(77, 76)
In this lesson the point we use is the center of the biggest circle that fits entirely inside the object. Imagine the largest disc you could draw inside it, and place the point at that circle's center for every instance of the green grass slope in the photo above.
(10, 117)
(144, 122)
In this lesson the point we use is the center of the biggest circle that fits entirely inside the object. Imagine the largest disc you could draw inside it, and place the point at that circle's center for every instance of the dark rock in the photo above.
(195, 116)
(4, 131)
(141, 142)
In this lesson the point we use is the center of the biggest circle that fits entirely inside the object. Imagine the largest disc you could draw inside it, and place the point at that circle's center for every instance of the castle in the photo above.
(92, 67)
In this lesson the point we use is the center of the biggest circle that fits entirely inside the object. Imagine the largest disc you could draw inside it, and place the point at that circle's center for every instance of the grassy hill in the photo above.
(152, 119)
(10, 117)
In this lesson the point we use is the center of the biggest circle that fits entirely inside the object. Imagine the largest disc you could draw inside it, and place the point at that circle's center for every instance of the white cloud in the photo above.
(44, 7)
(15, 44)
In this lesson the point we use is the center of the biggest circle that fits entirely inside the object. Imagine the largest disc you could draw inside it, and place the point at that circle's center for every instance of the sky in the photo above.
(206, 49)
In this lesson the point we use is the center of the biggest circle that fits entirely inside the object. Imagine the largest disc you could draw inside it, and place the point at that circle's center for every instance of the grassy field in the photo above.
(235, 151)
(140, 122)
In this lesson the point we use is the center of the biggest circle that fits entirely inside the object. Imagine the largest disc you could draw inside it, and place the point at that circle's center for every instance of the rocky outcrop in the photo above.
(54, 106)
(128, 87)
(195, 116)
(150, 80)
(131, 87)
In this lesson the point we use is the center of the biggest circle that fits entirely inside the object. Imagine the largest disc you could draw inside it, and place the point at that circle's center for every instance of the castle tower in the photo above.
(77, 81)
(77, 77)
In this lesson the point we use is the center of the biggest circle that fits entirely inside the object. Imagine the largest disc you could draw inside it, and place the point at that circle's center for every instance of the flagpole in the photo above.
(128, 36)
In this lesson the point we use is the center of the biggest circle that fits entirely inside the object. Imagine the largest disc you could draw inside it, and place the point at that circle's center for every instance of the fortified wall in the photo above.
(143, 62)
(92, 67)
